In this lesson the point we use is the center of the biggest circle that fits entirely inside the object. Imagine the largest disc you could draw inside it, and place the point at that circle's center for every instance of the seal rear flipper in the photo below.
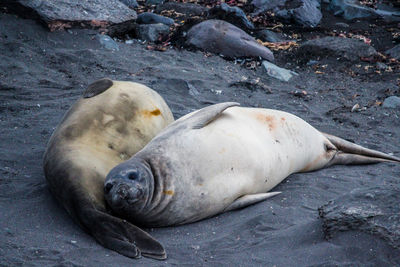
(353, 154)
(121, 236)
(248, 200)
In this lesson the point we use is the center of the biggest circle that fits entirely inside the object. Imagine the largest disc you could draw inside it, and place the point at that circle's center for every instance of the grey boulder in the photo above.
(391, 102)
(233, 15)
(394, 52)
(277, 72)
(304, 12)
(352, 9)
(338, 47)
(151, 18)
(374, 211)
(270, 36)
(93, 13)
(220, 37)
(152, 32)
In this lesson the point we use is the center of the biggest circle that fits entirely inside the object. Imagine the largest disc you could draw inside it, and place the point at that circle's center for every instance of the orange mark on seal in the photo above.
(149, 113)
(169, 192)
(268, 119)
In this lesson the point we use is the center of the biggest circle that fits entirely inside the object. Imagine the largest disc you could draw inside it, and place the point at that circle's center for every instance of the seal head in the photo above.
(128, 187)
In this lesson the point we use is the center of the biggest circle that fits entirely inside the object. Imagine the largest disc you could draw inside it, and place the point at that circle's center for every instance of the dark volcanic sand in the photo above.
(43, 73)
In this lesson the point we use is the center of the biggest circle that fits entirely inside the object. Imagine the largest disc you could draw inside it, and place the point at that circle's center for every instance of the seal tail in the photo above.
(353, 154)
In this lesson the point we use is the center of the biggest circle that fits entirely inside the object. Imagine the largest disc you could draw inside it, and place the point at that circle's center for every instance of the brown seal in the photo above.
(110, 123)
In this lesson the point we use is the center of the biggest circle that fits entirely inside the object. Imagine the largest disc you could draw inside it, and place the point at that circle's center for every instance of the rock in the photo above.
(394, 52)
(66, 13)
(220, 37)
(391, 102)
(381, 66)
(270, 36)
(119, 30)
(342, 24)
(151, 18)
(374, 211)
(233, 15)
(304, 12)
(154, 2)
(277, 72)
(312, 62)
(264, 5)
(349, 9)
(338, 47)
(130, 3)
(308, 14)
(152, 32)
(188, 9)
(107, 42)
(352, 9)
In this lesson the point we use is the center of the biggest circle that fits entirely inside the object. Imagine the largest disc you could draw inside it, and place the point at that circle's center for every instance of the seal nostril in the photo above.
(108, 187)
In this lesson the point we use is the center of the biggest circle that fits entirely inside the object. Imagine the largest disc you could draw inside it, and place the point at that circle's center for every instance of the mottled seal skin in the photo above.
(107, 125)
(215, 160)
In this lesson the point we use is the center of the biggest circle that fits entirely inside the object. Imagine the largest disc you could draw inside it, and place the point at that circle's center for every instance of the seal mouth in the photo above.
(124, 194)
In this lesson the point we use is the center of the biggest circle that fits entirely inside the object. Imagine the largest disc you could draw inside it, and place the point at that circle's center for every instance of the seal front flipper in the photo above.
(97, 87)
(120, 235)
(248, 200)
(206, 115)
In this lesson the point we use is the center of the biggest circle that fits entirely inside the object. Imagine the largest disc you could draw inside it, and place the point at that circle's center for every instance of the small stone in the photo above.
(152, 32)
(355, 107)
(264, 5)
(312, 62)
(342, 24)
(381, 66)
(270, 36)
(277, 72)
(233, 15)
(391, 102)
(130, 3)
(154, 2)
(394, 52)
(151, 18)
(107, 42)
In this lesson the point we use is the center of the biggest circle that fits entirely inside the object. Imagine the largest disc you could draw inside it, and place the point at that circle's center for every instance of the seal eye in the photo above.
(108, 187)
(133, 175)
